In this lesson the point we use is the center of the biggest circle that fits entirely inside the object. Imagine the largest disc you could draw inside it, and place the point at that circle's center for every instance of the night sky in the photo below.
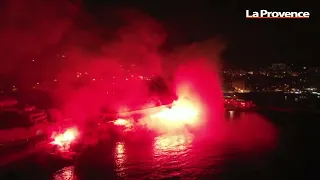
(41, 29)
(251, 42)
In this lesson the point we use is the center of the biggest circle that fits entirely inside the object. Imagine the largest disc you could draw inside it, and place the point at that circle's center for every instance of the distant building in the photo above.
(279, 70)
(279, 66)
(239, 85)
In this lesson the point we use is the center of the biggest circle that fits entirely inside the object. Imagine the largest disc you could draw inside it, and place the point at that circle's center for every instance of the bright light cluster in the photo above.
(186, 111)
(183, 112)
(65, 139)
(123, 122)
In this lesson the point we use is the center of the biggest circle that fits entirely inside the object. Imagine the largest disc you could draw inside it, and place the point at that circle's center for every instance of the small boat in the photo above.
(234, 103)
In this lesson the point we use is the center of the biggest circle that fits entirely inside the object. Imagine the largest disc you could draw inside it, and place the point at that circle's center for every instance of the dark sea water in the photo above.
(257, 146)
(284, 100)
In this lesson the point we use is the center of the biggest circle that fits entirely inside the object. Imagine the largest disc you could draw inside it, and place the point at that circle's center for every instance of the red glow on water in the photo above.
(120, 155)
(169, 143)
(66, 173)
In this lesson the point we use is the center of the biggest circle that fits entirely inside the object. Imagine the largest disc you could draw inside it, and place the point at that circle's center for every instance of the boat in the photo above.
(232, 102)
(22, 128)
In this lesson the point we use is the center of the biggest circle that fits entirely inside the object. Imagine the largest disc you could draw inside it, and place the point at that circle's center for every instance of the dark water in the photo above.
(280, 99)
(248, 146)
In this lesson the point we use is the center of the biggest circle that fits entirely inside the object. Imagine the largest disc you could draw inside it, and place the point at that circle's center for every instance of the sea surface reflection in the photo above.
(66, 173)
(244, 139)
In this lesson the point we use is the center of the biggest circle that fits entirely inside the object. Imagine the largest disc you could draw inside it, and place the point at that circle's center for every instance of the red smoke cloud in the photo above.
(29, 27)
(202, 78)
(97, 71)
(112, 74)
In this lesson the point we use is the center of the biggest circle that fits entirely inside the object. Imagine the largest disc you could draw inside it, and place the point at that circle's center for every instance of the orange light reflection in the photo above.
(66, 173)
(120, 158)
(172, 143)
